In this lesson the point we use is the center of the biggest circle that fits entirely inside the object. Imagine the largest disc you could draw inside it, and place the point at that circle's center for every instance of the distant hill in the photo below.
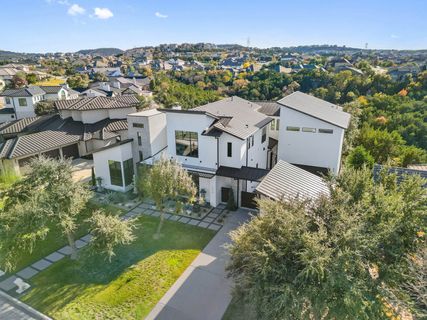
(101, 51)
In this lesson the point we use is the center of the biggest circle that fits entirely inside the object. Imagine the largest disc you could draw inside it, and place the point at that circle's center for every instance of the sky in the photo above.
(71, 25)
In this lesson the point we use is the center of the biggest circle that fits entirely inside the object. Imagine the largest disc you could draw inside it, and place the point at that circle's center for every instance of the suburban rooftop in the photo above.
(317, 108)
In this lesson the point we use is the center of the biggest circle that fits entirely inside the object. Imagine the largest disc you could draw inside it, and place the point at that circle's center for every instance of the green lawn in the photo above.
(55, 240)
(129, 286)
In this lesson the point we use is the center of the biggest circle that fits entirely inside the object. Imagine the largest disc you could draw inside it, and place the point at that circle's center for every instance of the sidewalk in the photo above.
(202, 291)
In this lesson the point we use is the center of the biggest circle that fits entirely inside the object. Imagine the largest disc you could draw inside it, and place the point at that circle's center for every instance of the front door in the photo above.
(225, 192)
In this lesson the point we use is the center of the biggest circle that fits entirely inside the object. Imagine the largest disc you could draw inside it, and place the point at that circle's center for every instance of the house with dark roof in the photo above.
(20, 103)
(81, 127)
(23, 100)
(231, 146)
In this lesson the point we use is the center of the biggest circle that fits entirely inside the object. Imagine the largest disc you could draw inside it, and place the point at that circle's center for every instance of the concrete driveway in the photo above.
(82, 169)
(202, 291)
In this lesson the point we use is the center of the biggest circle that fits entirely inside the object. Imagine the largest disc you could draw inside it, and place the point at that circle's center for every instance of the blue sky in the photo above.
(70, 25)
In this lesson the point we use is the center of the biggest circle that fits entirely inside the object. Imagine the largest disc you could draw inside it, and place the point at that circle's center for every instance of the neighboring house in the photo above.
(21, 102)
(398, 73)
(401, 173)
(81, 127)
(117, 87)
(311, 132)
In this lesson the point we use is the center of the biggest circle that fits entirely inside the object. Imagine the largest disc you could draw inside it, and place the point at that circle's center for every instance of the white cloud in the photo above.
(75, 9)
(103, 13)
(159, 15)
(394, 36)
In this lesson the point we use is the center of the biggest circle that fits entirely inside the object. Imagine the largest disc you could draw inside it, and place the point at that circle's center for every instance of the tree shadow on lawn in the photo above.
(134, 266)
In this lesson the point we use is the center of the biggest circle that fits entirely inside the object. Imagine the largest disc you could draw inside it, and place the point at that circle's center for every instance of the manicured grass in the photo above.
(55, 240)
(129, 286)
(51, 82)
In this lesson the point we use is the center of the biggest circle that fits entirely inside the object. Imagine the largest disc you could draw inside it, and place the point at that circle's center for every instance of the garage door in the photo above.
(71, 151)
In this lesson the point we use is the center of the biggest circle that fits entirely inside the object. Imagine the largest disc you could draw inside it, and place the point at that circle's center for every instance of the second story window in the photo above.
(141, 157)
(229, 149)
(7, 100)
(187, 144)
(264, 134)
(139, 138)
(22, 102)
(138, 125)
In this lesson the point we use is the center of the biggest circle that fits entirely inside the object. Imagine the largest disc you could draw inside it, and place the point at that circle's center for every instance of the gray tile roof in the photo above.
(317, 108)
(240, 118)
(51, 89)
(23, 92)
(286, 181)
(269, 108)
(401, 173)
(54, 132)
(97, 103)
(19, 126)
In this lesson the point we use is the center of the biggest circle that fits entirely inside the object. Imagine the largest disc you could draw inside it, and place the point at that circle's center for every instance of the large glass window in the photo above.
(187, 144)
(229, 149)
(329, 131)
(22, 102)
(7, 100)
(115, 173)
(128, 170)
(264, 134)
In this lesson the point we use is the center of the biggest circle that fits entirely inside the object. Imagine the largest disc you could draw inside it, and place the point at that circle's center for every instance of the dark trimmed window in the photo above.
(289, 128)
(128, 170)
(264, 134)
(22, 102)
(7, 100)
(229, 149)
(139, 138)
(187, 144)
(329, 131)
(141, 157)
(305, 129)
(115, 173)
(138, 125)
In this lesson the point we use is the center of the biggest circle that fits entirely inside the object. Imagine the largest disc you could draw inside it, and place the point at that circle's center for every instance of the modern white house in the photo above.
(311, 132)
(20, 103)
(230, 146)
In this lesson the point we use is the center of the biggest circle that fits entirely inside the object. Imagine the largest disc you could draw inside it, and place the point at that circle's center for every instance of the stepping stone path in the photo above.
(209, 221)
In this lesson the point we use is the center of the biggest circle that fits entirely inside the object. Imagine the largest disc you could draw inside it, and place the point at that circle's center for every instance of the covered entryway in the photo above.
(71, 151)
(248, 200)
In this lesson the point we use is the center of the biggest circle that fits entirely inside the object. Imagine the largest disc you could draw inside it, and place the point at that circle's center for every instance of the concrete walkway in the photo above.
(13, 309)
(202, 291)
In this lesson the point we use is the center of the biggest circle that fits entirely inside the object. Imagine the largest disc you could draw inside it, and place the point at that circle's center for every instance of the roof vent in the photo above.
(246, 125)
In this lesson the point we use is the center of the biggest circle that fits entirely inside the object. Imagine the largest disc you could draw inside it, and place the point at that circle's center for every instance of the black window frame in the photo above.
(139, 138)
(193, 143)
(229, 149)
(264, 134)
(128, 171)
(116, 179)
(138, 125)
(326, 131)
(141, 156)
(293, 129)
(22, 99)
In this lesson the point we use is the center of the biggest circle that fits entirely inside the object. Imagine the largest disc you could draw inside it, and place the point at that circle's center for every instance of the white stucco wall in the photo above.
(100, 159)
(238, 157)
(257, 154)
(153, 134)
(28, 111)
(120, 113)
(196, 123)
(306, 148)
